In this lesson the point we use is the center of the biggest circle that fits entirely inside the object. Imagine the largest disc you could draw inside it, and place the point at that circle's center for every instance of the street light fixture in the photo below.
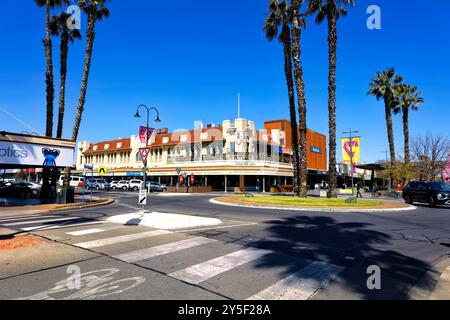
(157, 120)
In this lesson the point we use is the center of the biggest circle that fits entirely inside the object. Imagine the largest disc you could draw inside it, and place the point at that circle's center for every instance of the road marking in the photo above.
(206, 270)
(144, 254)
(119, 239)
(24, 218)
(221, 227)
(301, 285)
(40, 221)
(42, 228)
(85, 232)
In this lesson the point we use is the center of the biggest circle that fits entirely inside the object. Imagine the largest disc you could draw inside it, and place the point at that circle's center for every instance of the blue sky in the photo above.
(190, 59)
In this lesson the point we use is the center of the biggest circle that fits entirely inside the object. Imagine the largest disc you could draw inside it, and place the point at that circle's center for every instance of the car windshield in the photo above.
(439, 186)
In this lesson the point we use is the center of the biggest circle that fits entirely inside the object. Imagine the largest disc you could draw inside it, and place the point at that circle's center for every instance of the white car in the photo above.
(75, 181)
(120, 185)
(135, 184)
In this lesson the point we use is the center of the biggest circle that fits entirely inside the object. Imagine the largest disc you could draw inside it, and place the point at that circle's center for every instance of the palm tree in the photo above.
(383, 87)
(331, 10)
(58, 27)
(96, 11)
(299, 23)
(279, 18)
(49, 82)
(407, 98)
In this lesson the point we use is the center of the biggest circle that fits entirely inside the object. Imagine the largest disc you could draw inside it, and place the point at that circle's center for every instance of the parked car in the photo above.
(98, 184)
(21, 189)
(75, 181)
(114, 184)
(135, 184)
(156, 187)
(433, 193)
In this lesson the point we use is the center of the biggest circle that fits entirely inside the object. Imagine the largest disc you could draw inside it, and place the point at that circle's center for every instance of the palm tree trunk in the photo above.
(390, 133)
(294, 128)
(90, 36)
(300, 86)
(50, 93)
(405, 113)
(332, 47)
(64, 48)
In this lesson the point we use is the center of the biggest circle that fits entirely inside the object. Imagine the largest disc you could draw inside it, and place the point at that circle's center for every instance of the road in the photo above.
(253, 254)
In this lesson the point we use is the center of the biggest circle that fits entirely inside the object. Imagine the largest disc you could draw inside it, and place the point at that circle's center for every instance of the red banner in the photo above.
(192, 179)
(181, 179)
(143, 131)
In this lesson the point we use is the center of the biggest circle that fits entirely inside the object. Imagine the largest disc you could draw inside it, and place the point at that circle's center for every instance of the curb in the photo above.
(410, 208)
(105, 203)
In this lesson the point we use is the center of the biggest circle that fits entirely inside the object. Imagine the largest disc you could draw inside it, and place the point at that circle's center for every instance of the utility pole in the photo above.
(350, 138)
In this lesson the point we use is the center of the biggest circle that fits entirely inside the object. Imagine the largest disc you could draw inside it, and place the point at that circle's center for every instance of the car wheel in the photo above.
(408, 200)
(114, 188)
(98, 188)
(34, 193)
(432, 202)
(124, 188)
(135, 188)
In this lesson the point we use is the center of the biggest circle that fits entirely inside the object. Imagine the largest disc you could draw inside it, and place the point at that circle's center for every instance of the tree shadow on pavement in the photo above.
(351, 245)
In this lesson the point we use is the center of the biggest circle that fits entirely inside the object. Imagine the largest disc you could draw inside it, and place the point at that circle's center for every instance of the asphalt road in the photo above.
(255, 253)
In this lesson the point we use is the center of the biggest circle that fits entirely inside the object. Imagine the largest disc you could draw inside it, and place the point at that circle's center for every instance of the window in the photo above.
(138, 157)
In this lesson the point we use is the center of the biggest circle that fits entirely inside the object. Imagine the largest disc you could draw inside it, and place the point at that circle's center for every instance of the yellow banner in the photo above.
(351, 152)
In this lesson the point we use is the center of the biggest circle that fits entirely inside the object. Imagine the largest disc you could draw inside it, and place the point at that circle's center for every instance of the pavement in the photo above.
(252, 254)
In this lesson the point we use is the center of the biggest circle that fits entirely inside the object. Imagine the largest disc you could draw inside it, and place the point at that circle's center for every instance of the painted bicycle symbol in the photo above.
(93, 285)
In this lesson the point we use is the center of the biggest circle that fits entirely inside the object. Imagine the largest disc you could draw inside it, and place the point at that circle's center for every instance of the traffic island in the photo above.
(311, 204)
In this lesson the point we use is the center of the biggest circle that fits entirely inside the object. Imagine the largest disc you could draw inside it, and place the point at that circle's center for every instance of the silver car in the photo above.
(98, 184)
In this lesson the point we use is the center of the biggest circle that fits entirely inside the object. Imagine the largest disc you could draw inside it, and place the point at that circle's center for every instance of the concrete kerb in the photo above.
(409, 208)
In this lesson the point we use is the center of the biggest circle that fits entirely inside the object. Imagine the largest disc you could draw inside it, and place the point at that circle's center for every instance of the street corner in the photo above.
(29, 253)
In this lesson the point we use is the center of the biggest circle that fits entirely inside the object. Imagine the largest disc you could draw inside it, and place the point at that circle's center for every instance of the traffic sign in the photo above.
(144, 152)
(102, 171)
(143, 197)
(86, 167)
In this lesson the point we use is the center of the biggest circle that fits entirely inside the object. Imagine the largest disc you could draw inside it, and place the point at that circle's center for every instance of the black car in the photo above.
(433, 193)
(21, 189)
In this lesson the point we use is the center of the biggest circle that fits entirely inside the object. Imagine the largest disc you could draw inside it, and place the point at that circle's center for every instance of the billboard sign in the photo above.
(351, 151)
(27, 154)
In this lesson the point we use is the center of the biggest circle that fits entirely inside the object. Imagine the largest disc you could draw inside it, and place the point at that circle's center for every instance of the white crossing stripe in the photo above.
(144, 254)
(301, 285)
(40, 221)
(119, 239)
(73, 225)
(206, 270)
(85, 232)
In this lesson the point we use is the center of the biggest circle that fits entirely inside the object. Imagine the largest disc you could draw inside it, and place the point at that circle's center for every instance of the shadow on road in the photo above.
(352, 245)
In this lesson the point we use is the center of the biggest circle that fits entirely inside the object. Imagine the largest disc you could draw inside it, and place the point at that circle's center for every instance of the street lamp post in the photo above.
(350, 133)
(157, 120)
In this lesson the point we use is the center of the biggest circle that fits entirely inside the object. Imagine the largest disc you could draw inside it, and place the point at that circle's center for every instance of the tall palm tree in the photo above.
(383, 87)
(299, 23)
(408, 97)
(96, 11)
(49, 83)
(58, 27)
(331, 10)
(278, 18)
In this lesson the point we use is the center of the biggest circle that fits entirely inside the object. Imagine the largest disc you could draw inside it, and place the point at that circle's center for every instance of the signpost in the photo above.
(354, 156)
(143, 198)
(91, 168)
(178, 178)
(102, 172)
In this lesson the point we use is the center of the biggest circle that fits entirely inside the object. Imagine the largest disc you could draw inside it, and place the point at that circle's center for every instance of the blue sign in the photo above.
(315, 150)
(134, 174)
(86, 167)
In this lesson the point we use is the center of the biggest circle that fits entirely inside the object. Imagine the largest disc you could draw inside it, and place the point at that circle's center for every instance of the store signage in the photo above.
(315, 150)
(28, 154)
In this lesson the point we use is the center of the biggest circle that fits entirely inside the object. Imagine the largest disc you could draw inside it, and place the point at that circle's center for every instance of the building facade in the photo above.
(218, 157)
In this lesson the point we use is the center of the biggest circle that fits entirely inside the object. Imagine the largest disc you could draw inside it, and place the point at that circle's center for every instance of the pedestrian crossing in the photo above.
(300, 284)
(193, 257)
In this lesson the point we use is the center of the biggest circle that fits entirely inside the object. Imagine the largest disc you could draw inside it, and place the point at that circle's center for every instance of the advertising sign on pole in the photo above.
(351, 151)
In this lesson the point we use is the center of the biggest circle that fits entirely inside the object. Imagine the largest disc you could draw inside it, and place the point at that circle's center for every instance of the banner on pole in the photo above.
(351, 151)
(143, 131)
